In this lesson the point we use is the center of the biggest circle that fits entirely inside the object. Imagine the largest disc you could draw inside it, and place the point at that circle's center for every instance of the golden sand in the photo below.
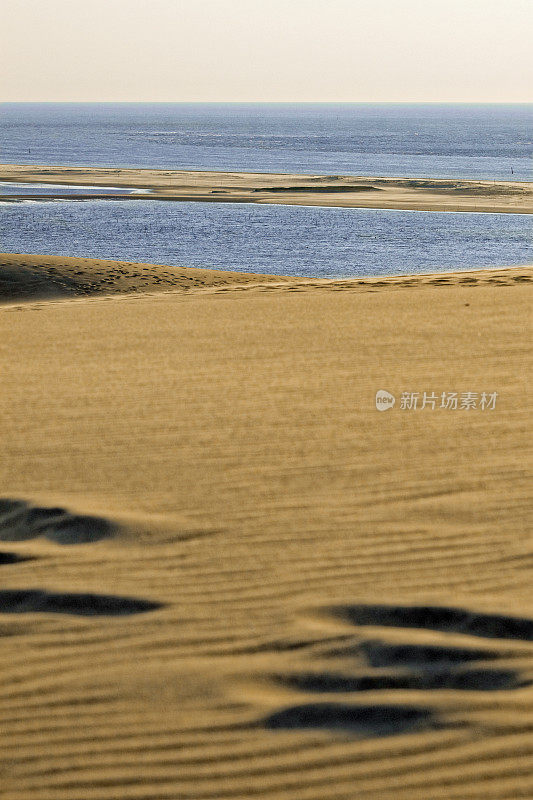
(292, 596)
(289, 189)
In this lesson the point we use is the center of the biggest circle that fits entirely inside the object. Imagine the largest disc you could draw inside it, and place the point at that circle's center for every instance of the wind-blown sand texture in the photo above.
(225, 575)
(287, 189)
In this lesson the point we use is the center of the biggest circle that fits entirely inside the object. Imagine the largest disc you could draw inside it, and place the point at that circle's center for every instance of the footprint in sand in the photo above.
(361, 665)
(13, 558)
(21, 521)
(25, 601)
(368, 721)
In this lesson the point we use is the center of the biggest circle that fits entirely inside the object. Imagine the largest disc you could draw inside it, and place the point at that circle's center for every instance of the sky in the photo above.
(267, 50)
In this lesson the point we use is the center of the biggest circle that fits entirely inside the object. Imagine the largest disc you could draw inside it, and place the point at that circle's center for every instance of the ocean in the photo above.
(492, 142)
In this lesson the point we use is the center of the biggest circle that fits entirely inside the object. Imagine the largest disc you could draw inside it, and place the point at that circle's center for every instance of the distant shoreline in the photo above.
(340, 191)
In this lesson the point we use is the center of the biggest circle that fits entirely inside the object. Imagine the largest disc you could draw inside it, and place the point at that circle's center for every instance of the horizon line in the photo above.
(276, 102)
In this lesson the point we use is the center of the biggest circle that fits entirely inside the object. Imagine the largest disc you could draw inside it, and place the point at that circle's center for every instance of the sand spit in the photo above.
(319, 190)
(295, 596)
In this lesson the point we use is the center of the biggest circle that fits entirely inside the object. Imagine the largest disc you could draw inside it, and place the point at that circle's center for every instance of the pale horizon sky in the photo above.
(267, 50)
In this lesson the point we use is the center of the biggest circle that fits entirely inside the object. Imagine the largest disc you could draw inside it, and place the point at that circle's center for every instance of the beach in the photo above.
(225, 572)
(343, 191)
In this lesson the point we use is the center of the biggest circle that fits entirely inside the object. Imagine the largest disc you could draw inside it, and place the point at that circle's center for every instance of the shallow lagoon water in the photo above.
(55, 189)
(273, 239)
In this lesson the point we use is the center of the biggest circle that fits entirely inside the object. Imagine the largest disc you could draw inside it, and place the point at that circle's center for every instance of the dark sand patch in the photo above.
(25, 601)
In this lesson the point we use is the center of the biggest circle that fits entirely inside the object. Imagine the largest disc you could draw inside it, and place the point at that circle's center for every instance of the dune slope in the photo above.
(225, 574)
(33, 277)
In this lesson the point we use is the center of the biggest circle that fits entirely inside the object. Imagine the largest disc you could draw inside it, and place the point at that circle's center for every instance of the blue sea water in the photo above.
(412, 140)
(275, 239)
(423, 141)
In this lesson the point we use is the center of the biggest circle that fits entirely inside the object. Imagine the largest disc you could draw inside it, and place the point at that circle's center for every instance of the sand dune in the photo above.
(346, 191)
(26, 277)
(225, 574)
(38, 277)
